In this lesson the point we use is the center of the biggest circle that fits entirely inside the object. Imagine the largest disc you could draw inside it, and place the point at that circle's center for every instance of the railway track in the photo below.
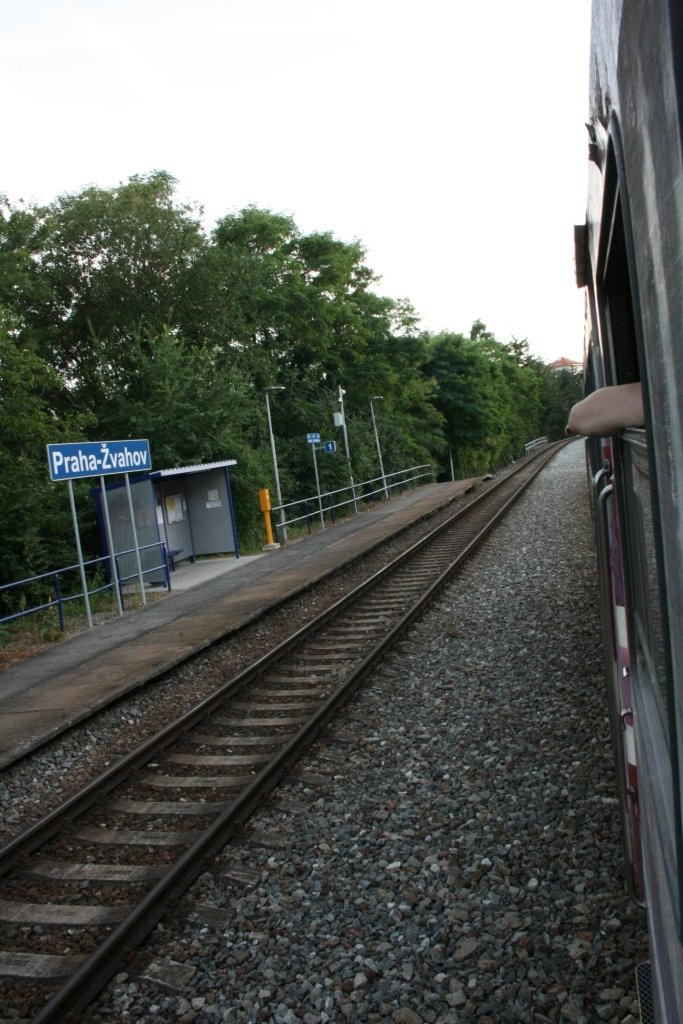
(88, 882)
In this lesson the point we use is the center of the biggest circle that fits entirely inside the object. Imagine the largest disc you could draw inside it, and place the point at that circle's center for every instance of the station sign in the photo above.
(330, 446)
(97, 458)
(313, 438)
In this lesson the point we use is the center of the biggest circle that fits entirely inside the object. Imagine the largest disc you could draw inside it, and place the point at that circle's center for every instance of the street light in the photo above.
(341, 394)
(283, 528)
(376, 398)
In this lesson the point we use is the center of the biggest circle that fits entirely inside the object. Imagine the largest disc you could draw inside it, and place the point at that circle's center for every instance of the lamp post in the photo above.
(341, 394)
(375, 398)
(281, 513)
(314, 449)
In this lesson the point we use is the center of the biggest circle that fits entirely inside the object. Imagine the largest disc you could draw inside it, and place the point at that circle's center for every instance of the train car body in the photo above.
(629, 257)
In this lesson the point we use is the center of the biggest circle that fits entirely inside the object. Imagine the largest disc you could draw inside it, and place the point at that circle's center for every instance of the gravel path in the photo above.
(449, 852)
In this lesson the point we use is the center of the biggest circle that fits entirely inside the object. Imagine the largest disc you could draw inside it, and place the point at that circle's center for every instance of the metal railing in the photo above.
(58, 582)
(531, 446)
(332, 503)
(60, 588)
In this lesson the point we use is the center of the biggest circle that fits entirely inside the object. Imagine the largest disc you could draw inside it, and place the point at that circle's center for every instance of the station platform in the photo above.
(43, 695)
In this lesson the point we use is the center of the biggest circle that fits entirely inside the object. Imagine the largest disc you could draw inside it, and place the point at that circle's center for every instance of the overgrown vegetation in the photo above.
(120, 316)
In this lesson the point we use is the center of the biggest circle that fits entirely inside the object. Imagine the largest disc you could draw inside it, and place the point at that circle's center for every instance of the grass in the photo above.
(37, 633)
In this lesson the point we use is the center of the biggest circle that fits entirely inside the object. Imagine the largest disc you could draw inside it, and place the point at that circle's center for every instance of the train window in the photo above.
(620, 320)
(621, 331)
(636, 488)
(648, 636)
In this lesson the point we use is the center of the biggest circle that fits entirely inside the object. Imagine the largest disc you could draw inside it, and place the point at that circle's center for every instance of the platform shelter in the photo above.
(189, 509)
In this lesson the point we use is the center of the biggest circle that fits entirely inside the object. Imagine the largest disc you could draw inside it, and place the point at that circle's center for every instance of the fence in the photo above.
(332, 503)
(59, 585)
(58, 582)
(531, 446)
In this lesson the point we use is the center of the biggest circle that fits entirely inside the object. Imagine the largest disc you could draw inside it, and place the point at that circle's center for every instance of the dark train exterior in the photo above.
(629, 257)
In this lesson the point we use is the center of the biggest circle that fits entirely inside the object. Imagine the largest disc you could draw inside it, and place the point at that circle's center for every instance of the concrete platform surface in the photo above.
(44, 694)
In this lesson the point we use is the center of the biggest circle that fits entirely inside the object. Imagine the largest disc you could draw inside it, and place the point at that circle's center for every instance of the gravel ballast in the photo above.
(449, 851)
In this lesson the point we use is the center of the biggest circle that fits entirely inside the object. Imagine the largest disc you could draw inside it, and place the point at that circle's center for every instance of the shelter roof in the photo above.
(186, 470)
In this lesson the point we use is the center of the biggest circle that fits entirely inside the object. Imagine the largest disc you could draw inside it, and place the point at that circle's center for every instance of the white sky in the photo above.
(446, 135)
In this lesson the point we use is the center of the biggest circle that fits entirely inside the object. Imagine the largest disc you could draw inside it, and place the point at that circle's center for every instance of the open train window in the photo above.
(619, 306)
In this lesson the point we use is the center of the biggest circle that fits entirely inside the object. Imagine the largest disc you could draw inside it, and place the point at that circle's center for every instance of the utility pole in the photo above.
(374, 398)
(281, 515)
(341, 394)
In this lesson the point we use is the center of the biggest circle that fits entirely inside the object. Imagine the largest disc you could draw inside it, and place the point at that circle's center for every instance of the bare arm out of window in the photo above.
(607, 411)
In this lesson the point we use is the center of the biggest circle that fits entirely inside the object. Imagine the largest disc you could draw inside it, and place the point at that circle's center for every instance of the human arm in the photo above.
(607, 411)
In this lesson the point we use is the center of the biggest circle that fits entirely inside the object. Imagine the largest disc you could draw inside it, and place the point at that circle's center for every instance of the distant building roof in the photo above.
(567, 364)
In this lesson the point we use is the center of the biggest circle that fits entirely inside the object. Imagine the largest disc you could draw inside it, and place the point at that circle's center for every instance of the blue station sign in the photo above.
(97, 458)
(313, 438)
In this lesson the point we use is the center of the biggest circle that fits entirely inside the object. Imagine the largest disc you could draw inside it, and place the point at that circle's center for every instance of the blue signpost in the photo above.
(329, 446)
(79, 459)
(314, 441)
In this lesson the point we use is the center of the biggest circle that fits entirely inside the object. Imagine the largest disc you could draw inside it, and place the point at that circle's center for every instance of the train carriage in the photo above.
(629, 258)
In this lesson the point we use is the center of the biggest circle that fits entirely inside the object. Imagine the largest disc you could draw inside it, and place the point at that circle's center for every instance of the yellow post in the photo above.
(264, 500)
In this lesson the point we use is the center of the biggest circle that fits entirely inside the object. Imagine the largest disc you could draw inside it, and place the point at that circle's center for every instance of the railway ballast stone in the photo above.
(456, 859)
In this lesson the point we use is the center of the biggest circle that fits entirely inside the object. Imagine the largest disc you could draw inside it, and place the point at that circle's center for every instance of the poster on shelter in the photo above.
(175, 510)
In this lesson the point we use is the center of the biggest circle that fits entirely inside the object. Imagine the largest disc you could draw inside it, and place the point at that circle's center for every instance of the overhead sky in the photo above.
(446, 135)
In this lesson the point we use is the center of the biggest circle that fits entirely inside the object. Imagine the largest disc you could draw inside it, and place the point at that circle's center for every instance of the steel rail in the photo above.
(35, 835)
(79, 990)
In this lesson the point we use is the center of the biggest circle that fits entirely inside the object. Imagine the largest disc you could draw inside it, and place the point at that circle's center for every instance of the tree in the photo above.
(560, 390)
(464, 396)
(490, 394)
(114, 266)
(122, 317)
(310, 321)
(36, 521)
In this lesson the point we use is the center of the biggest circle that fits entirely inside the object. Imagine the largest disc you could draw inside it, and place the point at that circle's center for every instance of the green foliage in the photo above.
(121, 317)
(36, 523)
(108, 267)
(494, 397)
(560, 390)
